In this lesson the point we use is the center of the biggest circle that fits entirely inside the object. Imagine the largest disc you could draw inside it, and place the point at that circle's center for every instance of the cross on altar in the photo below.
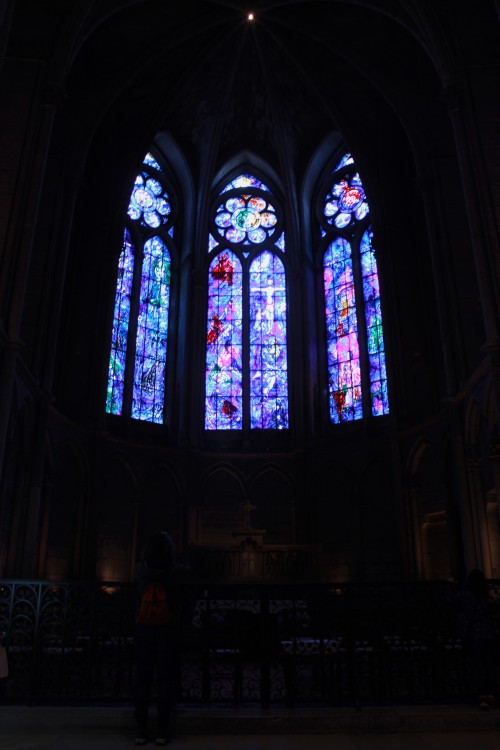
(247, 508)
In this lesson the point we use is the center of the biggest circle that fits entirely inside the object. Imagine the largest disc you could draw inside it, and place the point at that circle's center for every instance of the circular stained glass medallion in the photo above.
(350, 198)
(148, 202)
(246, 219)
(342, 220)
(257, 236)
(144, 198)
(223, 219)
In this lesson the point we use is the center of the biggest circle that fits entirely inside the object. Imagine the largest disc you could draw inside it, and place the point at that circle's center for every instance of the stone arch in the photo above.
(271, 494)
(379, 523)
(247, 160)
(335, 520)
(429, 512)
(64, 520)
(114, 517)
(222, 494)
(160, 505)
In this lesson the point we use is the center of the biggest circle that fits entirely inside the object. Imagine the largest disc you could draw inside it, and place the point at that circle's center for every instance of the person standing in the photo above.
(155, 636)
(476, 627)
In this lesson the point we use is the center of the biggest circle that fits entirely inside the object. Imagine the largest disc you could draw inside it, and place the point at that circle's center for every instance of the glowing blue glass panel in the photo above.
(243, 181)
(374, 331)
(268, 344)
(152, 329)
(149, 203)
(224, 363)
(121, 316)
(151, 161)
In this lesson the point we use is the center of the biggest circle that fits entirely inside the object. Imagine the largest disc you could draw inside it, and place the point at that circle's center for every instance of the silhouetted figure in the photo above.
(476, 627)
(155, 636)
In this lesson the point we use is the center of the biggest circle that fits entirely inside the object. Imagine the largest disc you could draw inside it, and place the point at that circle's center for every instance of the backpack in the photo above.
(154, 608)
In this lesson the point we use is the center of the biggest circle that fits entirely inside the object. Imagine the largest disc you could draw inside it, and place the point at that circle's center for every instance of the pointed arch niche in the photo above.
(352, 367)
(429, 502)
(246, 377)
(141, 360)
(115, 520)
(355, 349)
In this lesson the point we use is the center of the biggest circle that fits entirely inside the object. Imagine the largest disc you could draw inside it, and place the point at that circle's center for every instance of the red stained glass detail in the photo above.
(339, 398)
(351, 196)
(229, 409)
(215, 329)
(224, 270)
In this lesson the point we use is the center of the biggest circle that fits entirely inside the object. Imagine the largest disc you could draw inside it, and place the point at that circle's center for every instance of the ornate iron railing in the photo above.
(269, 643)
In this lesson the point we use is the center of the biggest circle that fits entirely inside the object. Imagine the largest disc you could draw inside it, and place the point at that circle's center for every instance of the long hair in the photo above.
(158, 552)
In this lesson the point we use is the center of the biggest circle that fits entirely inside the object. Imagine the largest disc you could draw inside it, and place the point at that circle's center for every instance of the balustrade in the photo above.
(293, 644)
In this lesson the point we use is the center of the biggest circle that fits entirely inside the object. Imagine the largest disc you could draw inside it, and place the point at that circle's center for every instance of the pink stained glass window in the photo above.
(121, 316)
(357, 380)
(224, 363)
(344, 372)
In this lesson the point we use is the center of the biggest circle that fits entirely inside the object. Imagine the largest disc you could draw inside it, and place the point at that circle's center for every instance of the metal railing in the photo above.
(296, 644)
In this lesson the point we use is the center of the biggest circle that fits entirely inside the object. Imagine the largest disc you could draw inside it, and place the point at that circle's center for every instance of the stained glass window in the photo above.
(152, 330)
(224, 385)
(246, 381)
(121, 317)
(138, 358)
(268, 346)
(357, 380)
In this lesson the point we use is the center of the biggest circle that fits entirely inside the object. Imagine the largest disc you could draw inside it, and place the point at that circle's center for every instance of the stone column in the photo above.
(478, 513)
(472, 183)
(20, 245)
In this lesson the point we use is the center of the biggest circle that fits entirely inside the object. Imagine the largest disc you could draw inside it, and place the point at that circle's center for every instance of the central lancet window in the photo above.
(246, 378)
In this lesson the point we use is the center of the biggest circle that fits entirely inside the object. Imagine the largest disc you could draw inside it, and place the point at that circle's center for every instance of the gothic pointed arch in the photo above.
(352, 308)
(114, 519)
(246, 379)
(272, 496)
(160, 505)
(222, 495)
(138, 357)
(64, 515)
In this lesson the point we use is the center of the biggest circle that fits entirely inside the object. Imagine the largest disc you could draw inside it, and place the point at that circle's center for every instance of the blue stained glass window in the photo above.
(224, 364)
(138, 358)
(152, 331)
(354, 332)
(246, 383)
(249, 219)
(149, 203)
(268, 343)
(243, 181)
(374, 329)
(117, 360)
(151, 161)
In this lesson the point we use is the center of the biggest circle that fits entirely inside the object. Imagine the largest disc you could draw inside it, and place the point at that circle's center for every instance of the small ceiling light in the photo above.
(250, 17)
